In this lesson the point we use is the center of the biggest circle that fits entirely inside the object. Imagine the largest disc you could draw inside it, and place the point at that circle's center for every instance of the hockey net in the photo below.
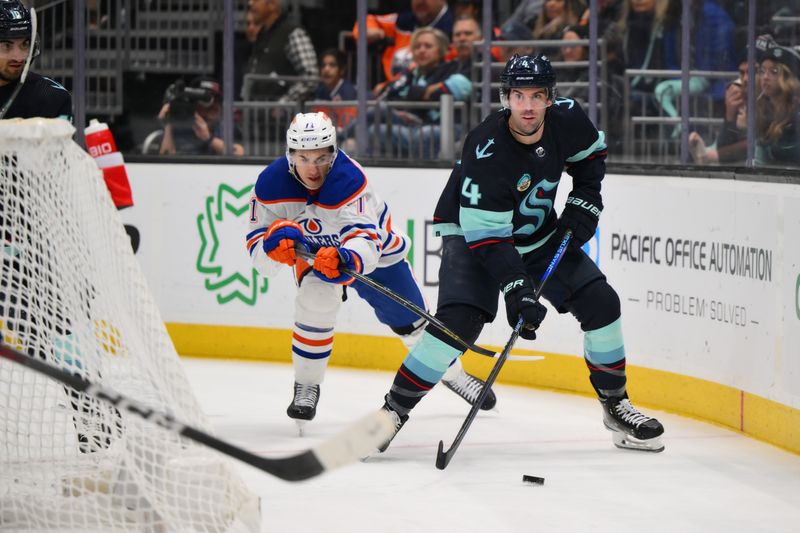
(72, 293)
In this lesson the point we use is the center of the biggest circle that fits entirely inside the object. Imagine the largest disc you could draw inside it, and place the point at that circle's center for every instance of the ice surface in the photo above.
(709, 479)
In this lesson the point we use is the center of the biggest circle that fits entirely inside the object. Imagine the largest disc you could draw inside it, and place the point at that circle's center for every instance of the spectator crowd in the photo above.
(420, 50)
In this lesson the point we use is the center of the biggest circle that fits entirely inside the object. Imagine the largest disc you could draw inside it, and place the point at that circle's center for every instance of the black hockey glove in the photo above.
(521, 300)
(581, 217)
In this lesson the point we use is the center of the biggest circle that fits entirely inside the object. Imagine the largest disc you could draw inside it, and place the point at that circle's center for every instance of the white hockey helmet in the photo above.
(309, 131)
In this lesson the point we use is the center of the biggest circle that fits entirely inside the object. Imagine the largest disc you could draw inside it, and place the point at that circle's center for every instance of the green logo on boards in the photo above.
(223, 216)
(797, 297)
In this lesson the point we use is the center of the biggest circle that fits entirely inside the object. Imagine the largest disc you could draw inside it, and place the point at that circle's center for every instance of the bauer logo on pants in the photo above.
(221, 258)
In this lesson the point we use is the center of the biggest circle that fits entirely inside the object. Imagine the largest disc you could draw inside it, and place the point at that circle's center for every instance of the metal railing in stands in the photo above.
(104, 51)
(251, 83)
(577, 70)
(263, 126)
(174, 36)
(394, 131)
(789, 29)
(651, 135)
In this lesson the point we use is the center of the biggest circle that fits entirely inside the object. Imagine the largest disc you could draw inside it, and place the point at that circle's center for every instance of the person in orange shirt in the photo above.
(394, 31)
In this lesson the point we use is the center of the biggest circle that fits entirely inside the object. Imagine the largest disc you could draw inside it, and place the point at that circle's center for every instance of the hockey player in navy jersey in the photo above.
(498, 224)
(39, 96)
(318, 198)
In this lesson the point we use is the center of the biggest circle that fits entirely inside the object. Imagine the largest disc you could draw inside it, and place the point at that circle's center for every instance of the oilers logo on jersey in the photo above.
(311, 226)
(344, 212)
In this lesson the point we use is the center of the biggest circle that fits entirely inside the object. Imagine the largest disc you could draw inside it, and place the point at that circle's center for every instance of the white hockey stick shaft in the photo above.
(356, 441)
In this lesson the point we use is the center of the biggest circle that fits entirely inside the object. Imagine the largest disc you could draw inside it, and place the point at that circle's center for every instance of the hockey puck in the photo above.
(532, 479)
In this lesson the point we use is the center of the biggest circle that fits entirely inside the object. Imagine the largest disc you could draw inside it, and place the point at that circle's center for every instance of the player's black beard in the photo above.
(536, 129)
(10, 80)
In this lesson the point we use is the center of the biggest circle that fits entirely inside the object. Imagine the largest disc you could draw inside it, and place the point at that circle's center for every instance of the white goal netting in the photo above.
(72, 293)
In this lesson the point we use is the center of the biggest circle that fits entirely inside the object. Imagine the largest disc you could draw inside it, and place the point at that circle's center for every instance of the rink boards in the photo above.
(708, 271)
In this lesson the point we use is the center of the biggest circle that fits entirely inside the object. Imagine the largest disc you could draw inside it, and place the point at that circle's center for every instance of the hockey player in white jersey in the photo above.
(318, 198)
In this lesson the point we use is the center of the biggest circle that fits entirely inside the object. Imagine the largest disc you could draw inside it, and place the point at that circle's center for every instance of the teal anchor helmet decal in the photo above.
(223, 214)
(480, 153)
(535, 204)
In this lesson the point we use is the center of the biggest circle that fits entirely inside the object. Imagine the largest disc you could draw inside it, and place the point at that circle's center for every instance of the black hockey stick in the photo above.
(353, 443)
(27, 66)
(443, 457)
(407, 304)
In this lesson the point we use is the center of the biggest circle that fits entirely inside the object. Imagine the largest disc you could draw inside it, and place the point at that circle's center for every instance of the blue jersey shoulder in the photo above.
(344, 182)
(276, 183)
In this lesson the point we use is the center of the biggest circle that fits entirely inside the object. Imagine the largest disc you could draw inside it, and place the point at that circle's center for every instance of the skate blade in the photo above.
(369, 455)
(301, 430)
(627, 442)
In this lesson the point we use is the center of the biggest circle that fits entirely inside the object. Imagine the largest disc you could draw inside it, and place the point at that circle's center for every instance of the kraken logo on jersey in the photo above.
(536, 205)
(311, 226)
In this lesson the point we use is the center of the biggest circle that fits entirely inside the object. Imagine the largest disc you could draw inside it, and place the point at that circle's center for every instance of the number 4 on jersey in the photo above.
(470, 190)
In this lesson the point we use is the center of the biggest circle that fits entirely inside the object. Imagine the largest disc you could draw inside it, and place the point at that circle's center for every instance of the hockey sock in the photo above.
(604, 352)
(311, 349)
(424, 366)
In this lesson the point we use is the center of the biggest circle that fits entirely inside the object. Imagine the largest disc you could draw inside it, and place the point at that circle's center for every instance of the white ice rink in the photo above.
(708, 479)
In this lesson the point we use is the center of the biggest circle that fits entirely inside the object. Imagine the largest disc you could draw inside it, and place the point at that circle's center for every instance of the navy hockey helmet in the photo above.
(527, 71)
(15, 22)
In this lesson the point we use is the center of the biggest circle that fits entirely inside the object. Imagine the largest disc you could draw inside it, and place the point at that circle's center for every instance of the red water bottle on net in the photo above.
(100, 145)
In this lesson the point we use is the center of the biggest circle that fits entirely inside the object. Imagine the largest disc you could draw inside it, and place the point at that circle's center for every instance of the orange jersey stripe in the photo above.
(372, 236)
(311, 342)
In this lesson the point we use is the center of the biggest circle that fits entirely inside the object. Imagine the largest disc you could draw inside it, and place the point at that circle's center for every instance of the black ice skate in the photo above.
(398, 423)
(631, 429)
(304, 406)
(469, 387)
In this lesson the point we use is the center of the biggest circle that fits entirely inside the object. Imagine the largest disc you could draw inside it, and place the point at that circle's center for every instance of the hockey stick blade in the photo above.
(443, 457)
(354, 442)
(528, 358)
(435, 322)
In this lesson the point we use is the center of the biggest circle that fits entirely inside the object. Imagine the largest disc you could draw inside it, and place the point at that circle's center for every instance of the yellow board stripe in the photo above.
(753, 415)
